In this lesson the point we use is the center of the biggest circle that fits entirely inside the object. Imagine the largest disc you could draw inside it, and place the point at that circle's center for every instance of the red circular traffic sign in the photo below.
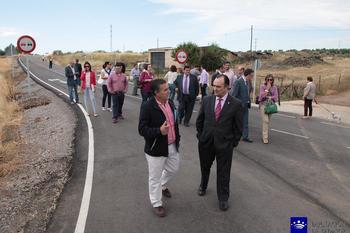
(181, 56)
(26, 44)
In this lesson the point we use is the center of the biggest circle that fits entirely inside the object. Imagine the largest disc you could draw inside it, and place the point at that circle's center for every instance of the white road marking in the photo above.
(285, 132)
(56, 79)
(85, 202)
(285, 115)
(333, 124)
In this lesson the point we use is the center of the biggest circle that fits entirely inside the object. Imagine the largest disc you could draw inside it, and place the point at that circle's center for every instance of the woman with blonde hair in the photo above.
(268, 93)
(170, 77)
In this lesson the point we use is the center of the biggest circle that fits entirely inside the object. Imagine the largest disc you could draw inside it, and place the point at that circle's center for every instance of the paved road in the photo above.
(303, 172)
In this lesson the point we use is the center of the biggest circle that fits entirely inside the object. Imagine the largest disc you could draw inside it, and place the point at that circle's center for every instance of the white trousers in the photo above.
(160, 171)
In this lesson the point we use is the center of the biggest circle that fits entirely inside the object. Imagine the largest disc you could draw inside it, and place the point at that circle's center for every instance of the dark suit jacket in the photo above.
(193, 86)
(227, 131)
(78, 69)
(240, 91)
(151, 118)
(70, 76)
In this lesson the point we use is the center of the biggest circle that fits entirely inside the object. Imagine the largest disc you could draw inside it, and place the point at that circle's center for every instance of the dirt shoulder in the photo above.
(342, 99)
(43, 155)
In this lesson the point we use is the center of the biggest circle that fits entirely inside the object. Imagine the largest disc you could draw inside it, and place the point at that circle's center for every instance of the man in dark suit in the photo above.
(71, 82)
(188, 89)
(242, 92)
(77, 69)
(219, 129)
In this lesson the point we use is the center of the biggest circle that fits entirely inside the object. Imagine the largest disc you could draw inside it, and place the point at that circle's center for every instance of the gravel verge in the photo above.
(30, 193)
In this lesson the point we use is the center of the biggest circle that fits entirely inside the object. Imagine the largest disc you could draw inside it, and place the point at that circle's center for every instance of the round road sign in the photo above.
(26, 44)
(181, 56)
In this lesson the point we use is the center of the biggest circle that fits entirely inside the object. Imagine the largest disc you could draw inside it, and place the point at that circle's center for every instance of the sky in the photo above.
(139, 25)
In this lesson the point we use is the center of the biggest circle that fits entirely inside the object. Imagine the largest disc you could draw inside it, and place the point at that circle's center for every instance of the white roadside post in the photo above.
(13, 63)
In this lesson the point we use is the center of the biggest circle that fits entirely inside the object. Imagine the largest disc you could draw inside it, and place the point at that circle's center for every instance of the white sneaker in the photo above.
(109, 109)
(103, 109)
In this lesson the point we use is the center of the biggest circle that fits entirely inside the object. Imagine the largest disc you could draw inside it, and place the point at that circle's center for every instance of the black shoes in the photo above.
(201, 191)
(247, 140)
(223, 205)
(166, 193)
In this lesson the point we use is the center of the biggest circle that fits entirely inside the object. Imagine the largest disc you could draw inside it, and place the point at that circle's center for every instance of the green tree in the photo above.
(57, 52)
(191, 49)
(212, 57)
(2, 52)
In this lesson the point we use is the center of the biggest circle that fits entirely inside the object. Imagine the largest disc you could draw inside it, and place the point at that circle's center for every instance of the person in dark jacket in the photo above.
(78, 69)
(71, 82)
(188, 90)
(158, 125)
(219, 129)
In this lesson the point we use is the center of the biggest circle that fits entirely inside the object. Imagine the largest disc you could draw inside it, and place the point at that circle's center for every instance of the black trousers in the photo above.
(118, 102)
(186, 108)
(307, 106)
(204, 90)
(145, 95)
(207, 155)
(105, 96)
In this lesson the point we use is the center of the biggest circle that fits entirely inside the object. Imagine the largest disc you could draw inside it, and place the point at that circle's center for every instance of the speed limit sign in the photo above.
(181, 56)
(26, 44)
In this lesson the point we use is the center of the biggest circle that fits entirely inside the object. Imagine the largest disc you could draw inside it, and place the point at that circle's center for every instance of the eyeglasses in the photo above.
(86, 66)
(270, 79)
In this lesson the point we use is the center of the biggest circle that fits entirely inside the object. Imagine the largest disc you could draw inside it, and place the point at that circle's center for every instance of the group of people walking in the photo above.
(114, 86)
(221, 123)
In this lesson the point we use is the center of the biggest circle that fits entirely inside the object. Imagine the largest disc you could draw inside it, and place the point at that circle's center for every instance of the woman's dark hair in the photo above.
(155, 85)
(173, 68)
(309, 79)
(121, 64)
(248, 72)
(105, 64)
(269, 76)
(87, 64)
(145, 66)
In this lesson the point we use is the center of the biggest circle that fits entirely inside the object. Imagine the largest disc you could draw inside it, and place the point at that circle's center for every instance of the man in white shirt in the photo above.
(203, 82)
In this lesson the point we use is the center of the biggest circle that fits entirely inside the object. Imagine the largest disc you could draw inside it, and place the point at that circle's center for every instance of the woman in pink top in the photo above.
(145, 79)
(268, 92)
(88, 87)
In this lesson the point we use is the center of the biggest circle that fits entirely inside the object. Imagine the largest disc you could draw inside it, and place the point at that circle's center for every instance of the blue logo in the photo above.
(298, 225)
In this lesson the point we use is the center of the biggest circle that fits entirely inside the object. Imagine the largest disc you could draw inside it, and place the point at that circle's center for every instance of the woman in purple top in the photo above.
(145, 80)
(268, 92)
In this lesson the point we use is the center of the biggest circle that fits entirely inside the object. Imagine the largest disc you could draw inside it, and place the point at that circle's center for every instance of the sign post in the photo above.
(257, 65)
(26, 44)
(181, 56)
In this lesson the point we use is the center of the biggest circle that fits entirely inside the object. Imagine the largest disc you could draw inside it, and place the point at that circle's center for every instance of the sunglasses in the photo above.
(270, 79)
(86, 66)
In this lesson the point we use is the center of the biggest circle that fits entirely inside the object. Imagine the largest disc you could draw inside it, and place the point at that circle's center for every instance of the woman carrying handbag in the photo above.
(268, 96)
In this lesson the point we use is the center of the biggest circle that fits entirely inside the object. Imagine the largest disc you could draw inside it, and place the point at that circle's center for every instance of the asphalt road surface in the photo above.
(304, 171)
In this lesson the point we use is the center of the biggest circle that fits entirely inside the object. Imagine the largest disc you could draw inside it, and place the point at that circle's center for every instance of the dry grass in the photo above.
(10, 119)
(326, 76)
(97, 59)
